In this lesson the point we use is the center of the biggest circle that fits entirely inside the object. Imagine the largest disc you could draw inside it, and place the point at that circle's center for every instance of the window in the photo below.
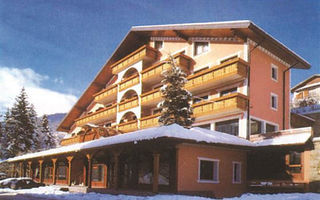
(256, 126)
(229, 126)
(270, 128)
(208, 170)
(200, 48)
(98, 173)
(62, 171)
(236, 175)
(274, 72)
(228, 91)
(274, 101)
(158, 44)
(199, 99)
(295, 162)
(205, 126)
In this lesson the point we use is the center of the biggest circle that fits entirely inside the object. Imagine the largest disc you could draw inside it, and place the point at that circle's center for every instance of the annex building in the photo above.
(241, 138)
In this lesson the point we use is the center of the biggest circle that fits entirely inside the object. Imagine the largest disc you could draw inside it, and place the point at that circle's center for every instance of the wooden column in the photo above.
(13, 170)
(54, 163)
(30, 169)
(155, 184)
(69, 158)
(116, 170)
(89, 157)
(40, 171)
(21, 169)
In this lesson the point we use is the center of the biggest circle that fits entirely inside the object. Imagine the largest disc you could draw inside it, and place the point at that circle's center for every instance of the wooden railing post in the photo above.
(54, 162)
(155, 184)
(40, 171)
(21, 169)
(30, 169)
(69, 158)
(89, 157)
(13, 170)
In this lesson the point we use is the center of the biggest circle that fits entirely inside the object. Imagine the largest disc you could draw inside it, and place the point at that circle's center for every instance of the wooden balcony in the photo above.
(99, 116)
(107, 95)
(151, 98)
(128, 126)
(145, 52)
(225, 73)
(149, 121)
(72, 140)
(230, 104)
(129, 82)
(152, 74)
(127, 104)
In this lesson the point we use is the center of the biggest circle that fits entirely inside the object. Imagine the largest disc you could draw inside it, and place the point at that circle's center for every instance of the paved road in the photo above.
(16, 196)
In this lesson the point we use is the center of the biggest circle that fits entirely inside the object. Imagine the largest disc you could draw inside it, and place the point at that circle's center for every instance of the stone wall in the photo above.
(315, 166)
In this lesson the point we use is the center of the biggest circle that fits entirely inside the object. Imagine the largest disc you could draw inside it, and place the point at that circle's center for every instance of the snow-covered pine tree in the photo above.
(175, 108)
(48, 137)
(20, 125)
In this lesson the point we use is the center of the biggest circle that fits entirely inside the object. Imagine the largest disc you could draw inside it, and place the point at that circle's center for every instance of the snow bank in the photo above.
(53, 192)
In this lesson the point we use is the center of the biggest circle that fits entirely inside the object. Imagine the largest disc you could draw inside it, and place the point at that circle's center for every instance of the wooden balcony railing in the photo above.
(228, 72)
(98, 117)
(153, 74)
(128, 126)
(224, 105)
(130, 103)
(72, 140)
(129, 82)
(151, 98)
(107, 95)
(143, 53)
(149, 121)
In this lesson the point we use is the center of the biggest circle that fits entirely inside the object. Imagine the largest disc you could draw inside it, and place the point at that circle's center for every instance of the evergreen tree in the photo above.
(20, 126)
(48, 138)
(176, 107)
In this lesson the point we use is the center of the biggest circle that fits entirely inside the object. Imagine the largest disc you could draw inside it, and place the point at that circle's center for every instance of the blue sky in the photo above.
(65, 43)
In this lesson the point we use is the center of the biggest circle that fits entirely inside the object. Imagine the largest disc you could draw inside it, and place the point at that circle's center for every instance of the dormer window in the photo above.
(200, 48)
(158, 44)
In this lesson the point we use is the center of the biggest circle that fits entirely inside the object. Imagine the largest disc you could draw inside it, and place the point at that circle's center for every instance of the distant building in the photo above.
(239, 76)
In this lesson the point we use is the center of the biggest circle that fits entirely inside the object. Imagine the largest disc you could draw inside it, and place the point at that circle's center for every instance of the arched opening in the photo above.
(129, 95)
(129, 73)
(129, 116)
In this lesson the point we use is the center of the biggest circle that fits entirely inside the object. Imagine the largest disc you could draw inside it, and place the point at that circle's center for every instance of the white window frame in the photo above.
(218, 170)
(264, 124)
(277, 101)
(194, 46)
(273, 66)
(240, 175)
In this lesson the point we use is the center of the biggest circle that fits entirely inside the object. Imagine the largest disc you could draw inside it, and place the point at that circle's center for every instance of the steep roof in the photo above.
(305, 82)
(140, 35)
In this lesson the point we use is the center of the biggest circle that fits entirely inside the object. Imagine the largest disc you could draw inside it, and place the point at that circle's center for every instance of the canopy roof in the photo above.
(140, 35)
(174, 131)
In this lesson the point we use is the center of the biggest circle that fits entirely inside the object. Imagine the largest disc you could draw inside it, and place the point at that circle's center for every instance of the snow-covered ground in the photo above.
(53, 192)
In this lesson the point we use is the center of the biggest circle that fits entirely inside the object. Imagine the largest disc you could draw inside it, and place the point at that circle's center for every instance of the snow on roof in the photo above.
(173, 131)
(285, 139)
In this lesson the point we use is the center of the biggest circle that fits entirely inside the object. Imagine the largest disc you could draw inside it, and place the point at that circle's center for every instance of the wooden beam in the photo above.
(69, 158)
(13, 170)
(40, 171)
(89, 157)
(54, 162)
(155, 184)
(181, 35)
(239, 34)
(30, 169)
(20, 169)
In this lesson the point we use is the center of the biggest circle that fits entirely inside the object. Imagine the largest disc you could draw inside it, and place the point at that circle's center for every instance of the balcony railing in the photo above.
(307, 109)
(107, 95)
(151, 98)
(128, 126)
(149, 121)
(143, 53)
(228, 72)
(72, 140)
(220, 106)
(153, 74)
(99, 116)
(129, 82)
(130, 103)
